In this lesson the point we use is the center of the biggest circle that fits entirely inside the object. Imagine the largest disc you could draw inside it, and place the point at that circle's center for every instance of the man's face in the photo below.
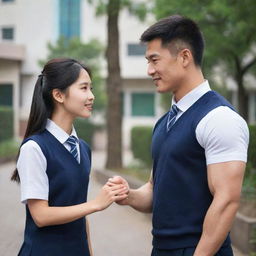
(164, 68)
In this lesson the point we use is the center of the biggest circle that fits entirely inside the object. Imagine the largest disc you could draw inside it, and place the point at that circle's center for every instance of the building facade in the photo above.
(27, 26)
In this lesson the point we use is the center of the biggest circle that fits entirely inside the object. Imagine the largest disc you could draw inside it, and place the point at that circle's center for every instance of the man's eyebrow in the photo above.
(152, 56)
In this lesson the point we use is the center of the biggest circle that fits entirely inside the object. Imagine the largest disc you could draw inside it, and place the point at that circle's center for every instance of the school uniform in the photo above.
(206, 130)
(49, 171)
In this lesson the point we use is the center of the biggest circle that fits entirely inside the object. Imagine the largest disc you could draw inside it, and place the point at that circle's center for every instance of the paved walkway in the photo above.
(118, 231)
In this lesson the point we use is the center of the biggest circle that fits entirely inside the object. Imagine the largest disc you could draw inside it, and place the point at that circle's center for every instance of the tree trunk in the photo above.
(242, 94)
(242, 97)
(114, 85)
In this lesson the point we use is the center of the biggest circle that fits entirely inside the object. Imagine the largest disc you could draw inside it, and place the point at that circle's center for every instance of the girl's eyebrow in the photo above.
(85, 83)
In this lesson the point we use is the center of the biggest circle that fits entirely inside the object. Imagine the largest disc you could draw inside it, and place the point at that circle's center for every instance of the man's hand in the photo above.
(119, 180)
(140, 199)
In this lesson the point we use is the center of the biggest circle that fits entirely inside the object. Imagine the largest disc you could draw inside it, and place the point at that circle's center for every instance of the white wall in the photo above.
(130, 31)
(35, 23)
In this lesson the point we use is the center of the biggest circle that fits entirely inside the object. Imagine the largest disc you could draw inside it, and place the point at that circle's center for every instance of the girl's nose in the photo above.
(91, 96)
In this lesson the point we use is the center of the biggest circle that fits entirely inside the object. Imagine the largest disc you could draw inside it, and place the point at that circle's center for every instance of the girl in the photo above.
(53, 165)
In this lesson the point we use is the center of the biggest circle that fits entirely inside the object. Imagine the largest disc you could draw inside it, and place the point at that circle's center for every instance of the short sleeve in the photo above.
(224, 135)
(31, 167)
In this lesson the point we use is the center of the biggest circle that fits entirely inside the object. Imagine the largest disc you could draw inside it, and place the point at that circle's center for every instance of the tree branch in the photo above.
(248, 65)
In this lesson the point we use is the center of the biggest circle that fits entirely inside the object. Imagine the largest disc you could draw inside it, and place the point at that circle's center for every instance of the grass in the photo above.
(8, 148)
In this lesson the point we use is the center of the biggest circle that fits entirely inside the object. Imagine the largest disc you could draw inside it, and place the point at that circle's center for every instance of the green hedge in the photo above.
(85, 130)
(249, 186)
(252, 147)
(6, 123)
(9, 148)
(141, 143)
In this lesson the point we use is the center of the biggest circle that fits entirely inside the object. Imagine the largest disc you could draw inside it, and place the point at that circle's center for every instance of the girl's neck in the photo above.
(63, 120)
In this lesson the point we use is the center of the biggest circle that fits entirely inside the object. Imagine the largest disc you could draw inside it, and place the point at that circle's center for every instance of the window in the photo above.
(6, 95)
(143, 104)
(7, 33)
(136, 49)
(69, 18)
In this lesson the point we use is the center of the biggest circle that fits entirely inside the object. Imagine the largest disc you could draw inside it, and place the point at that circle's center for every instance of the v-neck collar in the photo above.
(186, 112)
(192, 97)
(58, 132)
(66, 150)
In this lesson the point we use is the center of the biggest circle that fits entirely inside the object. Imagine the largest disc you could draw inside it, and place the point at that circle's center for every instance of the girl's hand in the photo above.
(119, 180)
(110, 194)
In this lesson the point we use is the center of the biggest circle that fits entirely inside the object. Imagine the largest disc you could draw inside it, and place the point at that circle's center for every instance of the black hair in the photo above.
(177, 28)
(56, 74)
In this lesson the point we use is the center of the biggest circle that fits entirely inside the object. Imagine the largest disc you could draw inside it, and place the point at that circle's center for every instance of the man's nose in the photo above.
(151, 70)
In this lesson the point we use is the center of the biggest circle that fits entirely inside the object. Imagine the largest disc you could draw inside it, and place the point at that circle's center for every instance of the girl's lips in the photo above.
(89, 106)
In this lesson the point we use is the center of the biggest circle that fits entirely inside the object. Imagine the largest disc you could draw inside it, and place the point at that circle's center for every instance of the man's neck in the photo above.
(192, 81)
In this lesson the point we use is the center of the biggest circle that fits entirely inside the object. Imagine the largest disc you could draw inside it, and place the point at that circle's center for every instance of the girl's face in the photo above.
(78, 99)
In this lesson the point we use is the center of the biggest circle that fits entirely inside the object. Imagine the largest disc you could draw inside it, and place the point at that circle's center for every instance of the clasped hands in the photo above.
(119, 180)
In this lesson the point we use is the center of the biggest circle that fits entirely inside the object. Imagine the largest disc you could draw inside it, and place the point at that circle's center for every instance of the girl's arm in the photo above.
(45, 215)
(89, 237)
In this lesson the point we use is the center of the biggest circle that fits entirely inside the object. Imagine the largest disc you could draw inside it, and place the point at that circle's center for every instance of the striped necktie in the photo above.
(73, 148)
(172, 117)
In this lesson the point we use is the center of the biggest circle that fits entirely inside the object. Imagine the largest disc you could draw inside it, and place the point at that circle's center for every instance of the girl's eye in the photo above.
(91, 88)
(84, 88)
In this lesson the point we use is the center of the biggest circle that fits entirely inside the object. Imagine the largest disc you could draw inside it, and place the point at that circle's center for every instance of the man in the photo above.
(199, 150)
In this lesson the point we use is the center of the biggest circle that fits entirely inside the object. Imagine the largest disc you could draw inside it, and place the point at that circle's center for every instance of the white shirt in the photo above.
(222, 132)
(32, 164)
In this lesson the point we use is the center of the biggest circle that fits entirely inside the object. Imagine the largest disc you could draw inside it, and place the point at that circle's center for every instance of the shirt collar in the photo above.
(58, 132)
(190, 98)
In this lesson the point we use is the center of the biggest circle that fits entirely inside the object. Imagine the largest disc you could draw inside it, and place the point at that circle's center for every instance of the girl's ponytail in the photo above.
(37, 117)
(38, 112)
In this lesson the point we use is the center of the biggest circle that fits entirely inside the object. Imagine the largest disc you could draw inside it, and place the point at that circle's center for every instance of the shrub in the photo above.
(6, 123)
(9, 148)
(252, 146)
(251, 163)
(141, 143)
(249, 185)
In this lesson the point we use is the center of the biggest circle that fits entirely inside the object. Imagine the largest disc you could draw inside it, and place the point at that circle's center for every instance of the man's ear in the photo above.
(58, 95)
(186, 57)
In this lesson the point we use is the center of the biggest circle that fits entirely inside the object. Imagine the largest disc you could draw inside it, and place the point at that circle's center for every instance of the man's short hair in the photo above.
(176, 33)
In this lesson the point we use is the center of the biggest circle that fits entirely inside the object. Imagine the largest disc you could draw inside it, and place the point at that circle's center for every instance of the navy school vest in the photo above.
(68, 184)
(181, 196)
